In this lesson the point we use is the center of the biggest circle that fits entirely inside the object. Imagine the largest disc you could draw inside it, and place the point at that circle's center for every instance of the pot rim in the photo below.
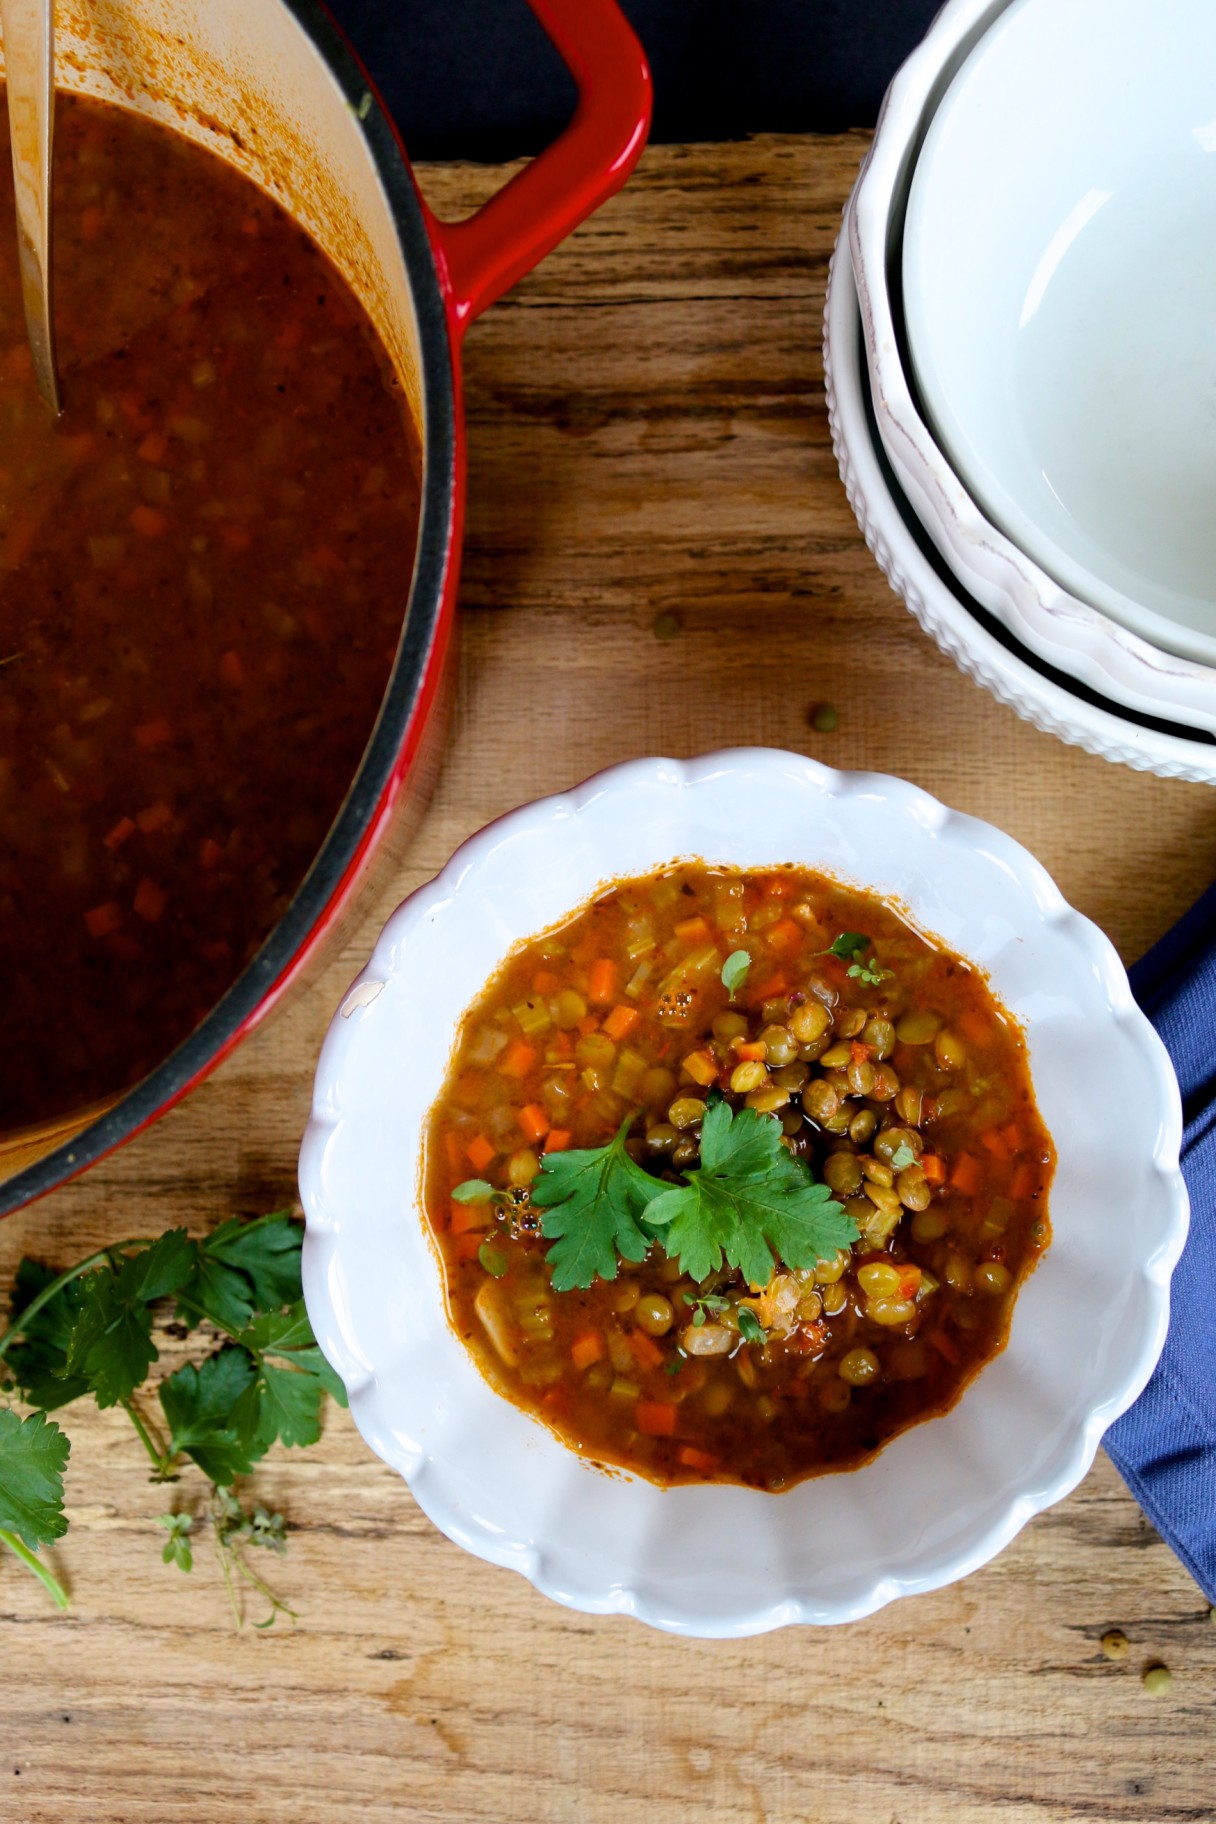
(403, 707)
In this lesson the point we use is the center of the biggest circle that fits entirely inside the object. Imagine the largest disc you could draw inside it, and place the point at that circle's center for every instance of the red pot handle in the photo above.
(484, 256)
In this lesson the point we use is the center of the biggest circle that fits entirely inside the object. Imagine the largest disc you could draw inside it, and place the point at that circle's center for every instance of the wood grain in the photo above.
(647, 438)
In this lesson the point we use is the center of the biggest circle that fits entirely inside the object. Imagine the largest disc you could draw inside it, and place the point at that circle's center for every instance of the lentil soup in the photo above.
(203, 573)
(769, 1042)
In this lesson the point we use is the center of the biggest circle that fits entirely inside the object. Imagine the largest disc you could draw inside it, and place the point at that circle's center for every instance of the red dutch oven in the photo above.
(273, 87)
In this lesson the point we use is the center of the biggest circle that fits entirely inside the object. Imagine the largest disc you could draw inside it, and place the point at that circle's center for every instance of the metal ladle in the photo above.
(29, 58)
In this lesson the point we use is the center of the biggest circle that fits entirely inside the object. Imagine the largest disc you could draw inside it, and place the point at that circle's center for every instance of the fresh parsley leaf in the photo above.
(870, 973)
(902, 1157)
(154, 1272)
(289, 1389)
(475, 1190)
(750, 1327)
(212, 1417)
(33, 1457)
(748, 1202)
(38, 1360)
(177, 1548)
(591, 1202)
(245, 1267)
(702, 1306)
(111, 1340)
(734, 970)
(848, 944)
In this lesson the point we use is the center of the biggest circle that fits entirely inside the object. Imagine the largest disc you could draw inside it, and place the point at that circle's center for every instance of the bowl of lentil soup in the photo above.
(740, 1193)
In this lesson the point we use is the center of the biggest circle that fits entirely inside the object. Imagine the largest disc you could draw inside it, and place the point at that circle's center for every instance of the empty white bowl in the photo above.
(945, 1495)
(978, 643)
(1061, 629)
(1059, 271)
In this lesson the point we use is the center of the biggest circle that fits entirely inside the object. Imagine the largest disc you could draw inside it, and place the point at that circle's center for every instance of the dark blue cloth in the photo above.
(1165, 1446)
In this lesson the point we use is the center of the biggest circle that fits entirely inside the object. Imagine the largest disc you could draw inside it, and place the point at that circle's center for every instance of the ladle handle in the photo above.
(29, 56)
(485, 255)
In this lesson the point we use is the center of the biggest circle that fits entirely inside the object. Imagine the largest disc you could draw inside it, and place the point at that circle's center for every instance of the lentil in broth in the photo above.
(204, 567)
(891, 1070)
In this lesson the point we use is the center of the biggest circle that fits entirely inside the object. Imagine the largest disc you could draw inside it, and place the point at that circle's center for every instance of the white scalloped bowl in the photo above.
(1055, 622)
(942, 1498)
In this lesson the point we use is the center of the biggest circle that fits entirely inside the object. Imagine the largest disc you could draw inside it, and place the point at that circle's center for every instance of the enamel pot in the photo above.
(272, 87)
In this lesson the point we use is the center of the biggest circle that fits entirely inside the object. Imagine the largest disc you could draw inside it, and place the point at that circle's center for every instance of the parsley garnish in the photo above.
(750, 1327)
(591, 1201)
(855, 944)
(902, 1157)
(706, 1303)
(89, 1331)
(734, 971)
(748, 1202)
(477, 1190)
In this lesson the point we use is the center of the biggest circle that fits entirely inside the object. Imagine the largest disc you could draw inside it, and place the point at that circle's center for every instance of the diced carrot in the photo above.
(755, 1052)
(468, 1247)
(692, 931)
(937, 1339)
(231, 669)
(479, 1153)
(545, 982)
(468, 1216)
(563, 1046)
(588, 1023)
(154, 448)
(692, 1458)
(586, 1348)
(102, 920)
(118, 835)
(153, 734)
(778, 886)
(533, 1122)
(209, 852)
(995, 1143)
(655, 1418)
(909, 1281)
(620, 1021)
(785, 937)
(557, 1140)
(455, 1154)
(601, 982)
(518, 1059)
(771, 990)
(1023, 1182)
(148, 521)
(702, 1067)
(150, 901)
(644, 1347)
(966, 1175)
(1013, 1137)
(154, 818)
(934, 1168)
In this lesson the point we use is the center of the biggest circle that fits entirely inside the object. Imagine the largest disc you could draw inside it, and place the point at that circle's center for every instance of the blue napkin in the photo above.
(1165, 1446)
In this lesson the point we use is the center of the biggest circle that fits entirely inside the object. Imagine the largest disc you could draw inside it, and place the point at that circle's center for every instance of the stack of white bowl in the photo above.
(1021, 359)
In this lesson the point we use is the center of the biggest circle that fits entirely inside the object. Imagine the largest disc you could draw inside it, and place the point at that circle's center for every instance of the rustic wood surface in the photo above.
(647, 438)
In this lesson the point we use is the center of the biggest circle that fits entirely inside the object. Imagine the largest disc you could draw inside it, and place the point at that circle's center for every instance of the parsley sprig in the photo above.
(856, 949)
(88, 1331)
(749, 1205)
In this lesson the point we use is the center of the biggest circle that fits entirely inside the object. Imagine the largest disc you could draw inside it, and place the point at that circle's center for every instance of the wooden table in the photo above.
(647, 438)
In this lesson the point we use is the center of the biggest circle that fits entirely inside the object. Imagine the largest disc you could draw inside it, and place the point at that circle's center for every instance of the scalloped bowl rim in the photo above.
(1063, 629)
(719, 1560)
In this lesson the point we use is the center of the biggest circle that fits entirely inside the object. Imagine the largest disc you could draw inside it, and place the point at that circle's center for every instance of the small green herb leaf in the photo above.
(750, 1327)
(474, 1190)
(33, 1457)
(210, 1420)
(591, 1202)
(244, 1267)
(734, 970)
(748, 1202)
(870, 973)
(902, 1157)
(177, 1549)
(493, 1260)
(849, 943)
